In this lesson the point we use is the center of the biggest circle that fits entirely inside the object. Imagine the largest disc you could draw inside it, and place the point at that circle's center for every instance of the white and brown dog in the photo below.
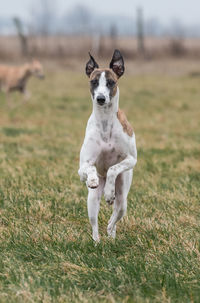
(108, 153)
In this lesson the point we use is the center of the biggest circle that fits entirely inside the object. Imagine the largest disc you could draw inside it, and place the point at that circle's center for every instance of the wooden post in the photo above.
(140, 32)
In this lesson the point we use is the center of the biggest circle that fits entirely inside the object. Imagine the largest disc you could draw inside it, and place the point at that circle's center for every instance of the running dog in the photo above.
(14, 78)
(108, 154)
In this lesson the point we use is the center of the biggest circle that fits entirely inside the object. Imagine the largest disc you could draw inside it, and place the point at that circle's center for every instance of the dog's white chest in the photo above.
(108, 142)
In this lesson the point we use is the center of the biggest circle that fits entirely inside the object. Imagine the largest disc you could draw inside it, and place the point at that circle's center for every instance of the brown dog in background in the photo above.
(14, 78)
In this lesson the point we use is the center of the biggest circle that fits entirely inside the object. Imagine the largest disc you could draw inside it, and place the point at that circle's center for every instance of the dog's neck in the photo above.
(107, 111)
(27, 70)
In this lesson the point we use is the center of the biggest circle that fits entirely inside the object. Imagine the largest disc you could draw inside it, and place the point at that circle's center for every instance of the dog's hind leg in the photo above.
(122, 187)
(93, 204)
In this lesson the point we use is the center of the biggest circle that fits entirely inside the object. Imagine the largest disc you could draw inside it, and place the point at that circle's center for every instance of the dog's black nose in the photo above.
(101, 99)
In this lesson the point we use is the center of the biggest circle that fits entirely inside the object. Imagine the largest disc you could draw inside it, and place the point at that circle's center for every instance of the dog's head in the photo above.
(103, 82)
(37, 69)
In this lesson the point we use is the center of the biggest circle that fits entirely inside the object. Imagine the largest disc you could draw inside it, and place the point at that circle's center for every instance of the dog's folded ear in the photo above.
(90, 66)
(117, 63)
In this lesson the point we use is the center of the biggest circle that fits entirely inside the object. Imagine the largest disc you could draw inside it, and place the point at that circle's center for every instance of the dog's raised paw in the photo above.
(93, 181)
(109, 196)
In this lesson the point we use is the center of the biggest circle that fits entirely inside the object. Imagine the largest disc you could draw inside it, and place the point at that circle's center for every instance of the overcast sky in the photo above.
(187, 11)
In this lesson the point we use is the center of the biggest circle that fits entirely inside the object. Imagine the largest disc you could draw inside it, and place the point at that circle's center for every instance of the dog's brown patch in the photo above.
(110, 75)
(97, 72)
(124, 122)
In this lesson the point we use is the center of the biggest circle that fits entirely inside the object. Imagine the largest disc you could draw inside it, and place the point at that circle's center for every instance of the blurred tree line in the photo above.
(45, 23)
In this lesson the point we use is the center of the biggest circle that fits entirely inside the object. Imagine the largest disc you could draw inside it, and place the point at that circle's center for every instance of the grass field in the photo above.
(46, 250)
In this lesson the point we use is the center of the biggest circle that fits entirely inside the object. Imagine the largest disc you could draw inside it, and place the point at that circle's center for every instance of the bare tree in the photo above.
(153, 27)
(21, 34)
(140, 31)
(176, 29)
(43, 23)
(79, 19)
(177, 33)
(113, 36)
(43, 17)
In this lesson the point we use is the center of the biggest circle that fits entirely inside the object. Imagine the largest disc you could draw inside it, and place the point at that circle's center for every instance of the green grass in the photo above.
(46, 250)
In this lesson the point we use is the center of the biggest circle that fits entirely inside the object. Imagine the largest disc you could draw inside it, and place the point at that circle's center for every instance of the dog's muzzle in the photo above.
(101, 99)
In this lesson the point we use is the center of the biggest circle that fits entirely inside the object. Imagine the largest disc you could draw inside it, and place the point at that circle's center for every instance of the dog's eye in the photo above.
(110, 83)
(94, 83)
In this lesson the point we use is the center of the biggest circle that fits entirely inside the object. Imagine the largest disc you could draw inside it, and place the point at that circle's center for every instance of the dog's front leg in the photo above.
(88, 173)
(109, 190)
(26, 95)
(87, 170)
(93, 204)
